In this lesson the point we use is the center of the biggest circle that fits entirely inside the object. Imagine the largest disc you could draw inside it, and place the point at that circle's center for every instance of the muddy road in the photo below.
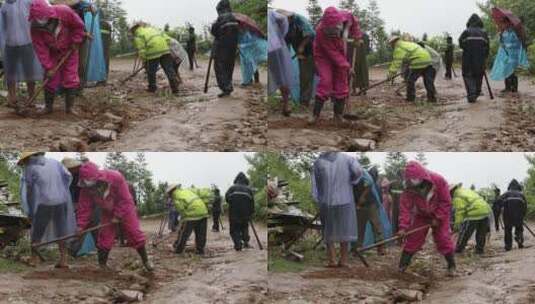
(387, 123)
(124, 117)
(495, 277)
(221, 276)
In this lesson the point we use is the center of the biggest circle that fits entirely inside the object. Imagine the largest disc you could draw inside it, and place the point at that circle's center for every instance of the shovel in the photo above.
(62, 61)
(256, 236)
(488, 86)
(392, 239)
(207, 80)
(71, 236)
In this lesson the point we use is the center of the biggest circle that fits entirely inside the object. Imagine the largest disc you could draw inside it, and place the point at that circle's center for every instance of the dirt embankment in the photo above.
(125, 117)
(387, 123)
(495, 277)
(222, 276)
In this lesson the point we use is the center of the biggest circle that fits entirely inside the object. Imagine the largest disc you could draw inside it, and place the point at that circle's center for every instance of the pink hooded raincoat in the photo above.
(330, 55)
(118, 203)
(416, 211)
(50, 47)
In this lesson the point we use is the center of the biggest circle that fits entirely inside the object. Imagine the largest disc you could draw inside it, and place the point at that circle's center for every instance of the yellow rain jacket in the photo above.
(469, 206)
(189, 205)
(151, 43)
(409, 52)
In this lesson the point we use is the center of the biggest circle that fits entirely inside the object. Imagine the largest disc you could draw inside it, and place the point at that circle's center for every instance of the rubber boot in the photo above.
(450, 259)
(404, 261)
(381, 250)
(145, 259)
(514, 84)
(49, 102)
(507, 86)
(70, 95)
(316, 112)
(338, 109)
(103, 259)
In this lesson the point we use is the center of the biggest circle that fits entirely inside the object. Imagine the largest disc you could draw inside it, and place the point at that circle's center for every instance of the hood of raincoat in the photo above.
(89, 171)
(332, 17)
(241, 179)
(223, 7)
(514, 185)
(40, 9)
(474, 21)
(414, 170)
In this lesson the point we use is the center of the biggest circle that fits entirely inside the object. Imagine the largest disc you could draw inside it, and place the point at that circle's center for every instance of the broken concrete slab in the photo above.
(361, 145)
(103, 135)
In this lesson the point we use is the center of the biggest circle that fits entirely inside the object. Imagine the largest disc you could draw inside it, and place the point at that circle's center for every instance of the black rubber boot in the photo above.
(404, 261)
(145, 259)
(338, 109)
(49, 102)
(514, 84)
(70, 95)
(450, 259)
(103, 258)
(316, 112)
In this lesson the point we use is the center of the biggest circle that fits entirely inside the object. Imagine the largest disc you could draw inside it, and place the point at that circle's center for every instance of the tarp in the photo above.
(96, 65)
(253, 51)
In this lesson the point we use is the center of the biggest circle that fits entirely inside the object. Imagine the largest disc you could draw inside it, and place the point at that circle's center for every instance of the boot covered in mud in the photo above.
(338, 109)
(508, 86)
(70, 95)
(404, 261)
(102, 256)
(49, 102)
(316, 112)
(514, 84)
(145, 259)
(452, 268)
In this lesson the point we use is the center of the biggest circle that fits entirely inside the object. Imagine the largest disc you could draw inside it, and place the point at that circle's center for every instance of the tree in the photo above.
(315, 12)
(256, 9)
(421, 158)
(529, 185)
(394, 165)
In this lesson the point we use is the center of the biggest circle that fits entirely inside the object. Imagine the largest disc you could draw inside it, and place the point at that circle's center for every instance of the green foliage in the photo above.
(394, 165)
(256, 9)
(529, 186)
(10, 172)
(421, 158)
(315, 11)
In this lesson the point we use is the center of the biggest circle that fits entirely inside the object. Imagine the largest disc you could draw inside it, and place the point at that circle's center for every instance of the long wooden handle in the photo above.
(256, 236)
(47, 80)
(488, 86)
(207, 80)
(71, 236)
(529, 229)
(377, 84)
(392, 239)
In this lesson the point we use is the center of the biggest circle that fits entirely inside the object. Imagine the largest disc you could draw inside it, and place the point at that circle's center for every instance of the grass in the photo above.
(278, 263)
(7, 266)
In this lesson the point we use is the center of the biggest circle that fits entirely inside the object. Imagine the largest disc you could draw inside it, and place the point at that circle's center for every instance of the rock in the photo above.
(98, 300)
(101, 135)
(137, 287)
(374, 300)
(113, 118)
(129, 296)
(407, 295)
(72, 145)
(361, 145)
(417, 286)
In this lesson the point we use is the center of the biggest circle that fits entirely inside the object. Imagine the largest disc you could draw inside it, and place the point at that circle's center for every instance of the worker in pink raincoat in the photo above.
(108, 189)
(56, 30)
(426, 200)
(331, 61)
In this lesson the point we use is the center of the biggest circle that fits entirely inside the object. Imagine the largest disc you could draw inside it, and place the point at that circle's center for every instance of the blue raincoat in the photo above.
(45, 182)
(510, 56)
(369, 237)
(96, 65)
(253, 51)
(280, 70)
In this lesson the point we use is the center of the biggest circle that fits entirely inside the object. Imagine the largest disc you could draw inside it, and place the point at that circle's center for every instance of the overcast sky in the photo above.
(480, 169)
(412, 16)
(176, 13)
(199, 169)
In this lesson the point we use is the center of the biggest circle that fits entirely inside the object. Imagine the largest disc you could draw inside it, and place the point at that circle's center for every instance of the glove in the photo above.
(49, 74)
(402, 234)
(435, 223)
(115, 220)
(79, 232)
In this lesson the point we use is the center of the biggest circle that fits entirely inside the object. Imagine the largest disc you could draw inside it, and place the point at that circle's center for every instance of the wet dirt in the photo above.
(384, 117)
(221, 276)
(495, 277)
(144, 121)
